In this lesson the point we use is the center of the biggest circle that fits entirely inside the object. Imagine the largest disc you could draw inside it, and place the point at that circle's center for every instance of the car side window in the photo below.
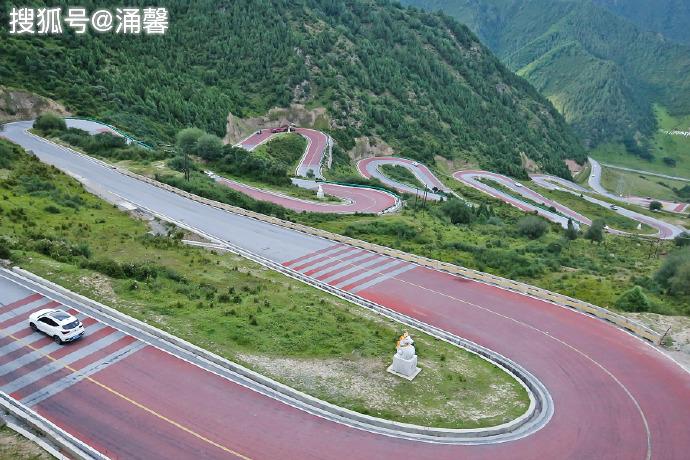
(48, 321)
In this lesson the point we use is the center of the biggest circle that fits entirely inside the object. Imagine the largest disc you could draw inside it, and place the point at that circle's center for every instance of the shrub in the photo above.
(669, 162)
(532, 227)
(595, 232)
(458, 212)
(4, 250)
(674, 273)
(571, 232)
(209, 147)
(50, 122)
(682, 240)
(655, 206)
(188, 138)
(634, 300)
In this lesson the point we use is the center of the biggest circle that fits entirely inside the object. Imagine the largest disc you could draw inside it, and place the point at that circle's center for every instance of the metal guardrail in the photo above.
(65, 443)
(117, 130)
(537, 415)
(475, 275)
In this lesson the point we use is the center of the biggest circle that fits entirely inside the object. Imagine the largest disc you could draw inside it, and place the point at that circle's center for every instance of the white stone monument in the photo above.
(405, 359)
(319, 192)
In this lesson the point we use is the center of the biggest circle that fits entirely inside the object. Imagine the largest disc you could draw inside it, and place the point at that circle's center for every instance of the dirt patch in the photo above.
(366, 147)
(529, 164)
(239, 128)
(573, 167)
(22, 105)
(14, 446)
(100, 285)
(678, 346)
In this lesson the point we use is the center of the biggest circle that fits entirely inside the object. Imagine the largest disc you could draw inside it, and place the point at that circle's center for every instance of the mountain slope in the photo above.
(670, 18)
(601, 71)
(421, 82)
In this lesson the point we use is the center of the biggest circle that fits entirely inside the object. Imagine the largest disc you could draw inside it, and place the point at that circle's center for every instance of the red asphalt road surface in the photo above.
(607, 385)
(356, 199)
(430, 179)
(313, 155)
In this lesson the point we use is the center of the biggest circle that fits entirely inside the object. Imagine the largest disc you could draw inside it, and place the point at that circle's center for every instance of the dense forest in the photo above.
(670, 18)
(600, 70)
(422, 82)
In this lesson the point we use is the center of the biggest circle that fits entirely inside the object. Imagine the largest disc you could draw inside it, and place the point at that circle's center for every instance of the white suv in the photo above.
(58, 324)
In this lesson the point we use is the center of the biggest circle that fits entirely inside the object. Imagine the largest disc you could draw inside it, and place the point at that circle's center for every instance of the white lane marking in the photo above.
(343, 263)
(14, 313)
(318, 255)
(355, 267)
(382, 278)
(76, 377)
(313, 265)
(59, 364)
(369, 273)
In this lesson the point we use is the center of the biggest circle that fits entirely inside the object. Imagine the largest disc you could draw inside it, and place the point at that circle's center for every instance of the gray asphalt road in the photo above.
(273, 242)
(649, 173)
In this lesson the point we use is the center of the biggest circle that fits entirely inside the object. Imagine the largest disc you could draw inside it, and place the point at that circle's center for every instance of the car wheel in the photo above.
(33, 327)
(57, 339)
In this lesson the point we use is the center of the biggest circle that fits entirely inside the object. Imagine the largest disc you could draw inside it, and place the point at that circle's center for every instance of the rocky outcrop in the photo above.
(23, 105)
(239, 128)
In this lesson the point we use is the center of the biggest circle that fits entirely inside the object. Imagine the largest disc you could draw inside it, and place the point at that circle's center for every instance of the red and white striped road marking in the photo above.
(33, 367)
(349, 268)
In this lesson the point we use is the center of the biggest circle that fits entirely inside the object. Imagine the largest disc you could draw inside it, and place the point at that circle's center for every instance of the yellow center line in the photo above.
(131, 401)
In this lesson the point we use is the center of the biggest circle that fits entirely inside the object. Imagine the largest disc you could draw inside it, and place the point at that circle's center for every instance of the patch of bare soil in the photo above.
(529, 164)
(239, 128)
(678, 347)
(14, 446)
(21, 105)
(100, 285)
(366, 147)
(573, 167)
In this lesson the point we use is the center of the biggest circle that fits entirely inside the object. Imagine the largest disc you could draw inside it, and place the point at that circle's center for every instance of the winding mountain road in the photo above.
(594, 181)
(614, 395)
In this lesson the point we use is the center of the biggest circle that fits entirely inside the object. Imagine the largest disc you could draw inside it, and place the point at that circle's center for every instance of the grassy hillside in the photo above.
(421, 82)
(601, 71)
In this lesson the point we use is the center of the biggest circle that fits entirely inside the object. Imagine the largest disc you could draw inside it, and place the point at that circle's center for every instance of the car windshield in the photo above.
(71, 325)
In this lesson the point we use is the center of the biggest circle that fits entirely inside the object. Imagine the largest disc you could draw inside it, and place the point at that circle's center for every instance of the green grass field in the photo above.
(403, 175)
(631, 183)
(663, 145)
(333, 350)
(594, 211)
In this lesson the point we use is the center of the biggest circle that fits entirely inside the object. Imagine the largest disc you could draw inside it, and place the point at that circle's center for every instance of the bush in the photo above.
(655, 206)
(595, 232)
(571, 232)
(674, 274)
(50, 122)
(4, 250)
(669, 162)
(532, 227)
(188, 138)
(682, 240)
(458, 212)
(634, 300)
(209, 147)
